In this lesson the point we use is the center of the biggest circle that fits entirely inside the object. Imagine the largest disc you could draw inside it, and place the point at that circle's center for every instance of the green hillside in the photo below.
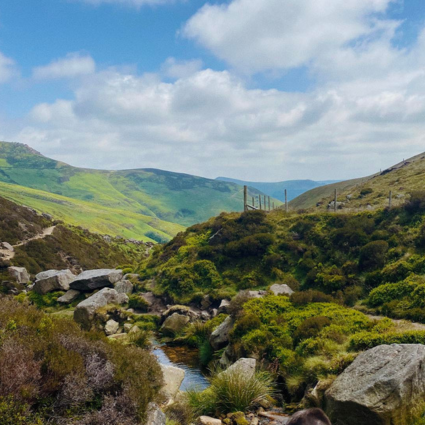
(369, 192)
(144, 203)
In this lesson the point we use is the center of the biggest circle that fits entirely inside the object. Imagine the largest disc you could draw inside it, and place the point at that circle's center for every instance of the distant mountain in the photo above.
(147, 204)
(371, 191)
(277, 190)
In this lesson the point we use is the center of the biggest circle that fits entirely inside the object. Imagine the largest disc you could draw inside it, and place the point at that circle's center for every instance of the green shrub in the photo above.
(137, 302)
(310, 296)
(389, 292)
(311, 327)
(372, 255)
(367, 340)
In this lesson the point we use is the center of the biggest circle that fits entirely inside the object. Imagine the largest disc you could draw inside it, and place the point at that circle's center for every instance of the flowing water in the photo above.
(185, 358)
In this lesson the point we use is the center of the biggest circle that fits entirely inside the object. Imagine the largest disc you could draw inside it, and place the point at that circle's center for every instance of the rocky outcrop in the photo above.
(155, 415)
(173, 378)
(19, 274)
(281, 289)
(53, 280)
(69, 296)
(174, 324)
(7, 246)
(85, 311)
(220, 337)
(95, 279)
(124, 287)
(381, 387)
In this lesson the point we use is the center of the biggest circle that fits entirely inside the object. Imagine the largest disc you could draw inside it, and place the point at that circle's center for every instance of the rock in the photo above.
(111, 327)
(214, 312)
(7, 246)
(281, 289)
(119, 337)
(182, 310)
(134, 329)
(257, 294)
(174, 324)
(53, 280)
(205, 315)
(155, 415)
(127, 327)
(69, 296)
(206, 302)
(19, 274)
(220, 337)
(245, 367)
(173, 378)
(206, 420)
(124, 287)
(381, 387)
(156, 304)
(84, 312)
(224, 306)
(95, 279)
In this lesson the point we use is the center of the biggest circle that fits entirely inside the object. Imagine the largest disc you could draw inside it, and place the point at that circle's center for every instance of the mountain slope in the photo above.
(145, 200)
(372, 191)
(277, 190)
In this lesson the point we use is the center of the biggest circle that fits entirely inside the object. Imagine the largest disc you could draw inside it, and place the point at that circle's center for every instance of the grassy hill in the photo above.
(295, 188)
(144, 203)
(372, 191)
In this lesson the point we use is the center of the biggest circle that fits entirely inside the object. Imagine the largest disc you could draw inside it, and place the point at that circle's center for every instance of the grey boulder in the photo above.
(174, 324)
(381, 387)
(220, 337)
(155, 415)
(19, 274)
(281, 289)
(96, 279)
(173, 378)
(69, 296)
(243, 367)
(85, 311)
(124, 287)
(111, 327)
(53, 280)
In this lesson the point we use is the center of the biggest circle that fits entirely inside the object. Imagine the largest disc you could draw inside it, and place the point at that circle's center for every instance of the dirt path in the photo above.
(7, 254)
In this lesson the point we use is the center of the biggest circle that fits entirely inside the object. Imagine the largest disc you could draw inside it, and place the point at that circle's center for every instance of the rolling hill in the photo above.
(295, 188)
(143, 203)
(372, 191)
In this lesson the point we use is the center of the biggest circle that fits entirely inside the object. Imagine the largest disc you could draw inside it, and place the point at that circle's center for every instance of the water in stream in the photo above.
(185, 358)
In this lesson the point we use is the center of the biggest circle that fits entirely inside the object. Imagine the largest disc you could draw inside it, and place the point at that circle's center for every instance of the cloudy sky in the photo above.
(262, 90)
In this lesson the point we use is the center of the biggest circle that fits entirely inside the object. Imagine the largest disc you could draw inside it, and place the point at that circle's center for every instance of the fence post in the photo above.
(286, 200)
(269, 203)
(245, 198)
(335, 201)
(390, 199)
(253, 202)
(259, 201)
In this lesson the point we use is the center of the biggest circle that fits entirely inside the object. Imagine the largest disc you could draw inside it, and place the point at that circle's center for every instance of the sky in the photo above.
(260, 90)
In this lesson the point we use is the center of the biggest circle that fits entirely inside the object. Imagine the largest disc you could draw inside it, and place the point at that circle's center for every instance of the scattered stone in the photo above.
(127, 327)
(220, 337)
(174, 324)
(119, 337)
(156, 304)
(69, 296)
(53, 280)
(95, 279)
(182, 310)
(257, 294)
(155, 415)
(214, 312)
(134, 329)
(19, 274)
(173, 378)
(84, 312)
(381, 387)
(205, 315)
(124, 287)
(281, 289)
(224, 306)
(111, 327)
(207, 420)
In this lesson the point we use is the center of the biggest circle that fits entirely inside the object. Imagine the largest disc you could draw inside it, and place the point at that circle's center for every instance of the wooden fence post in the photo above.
(245, 198)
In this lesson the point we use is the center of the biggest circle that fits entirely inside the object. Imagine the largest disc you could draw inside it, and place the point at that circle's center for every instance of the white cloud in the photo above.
(7, 68)
(255, 35)
(71, 66)
(174, 68)
(132, 3)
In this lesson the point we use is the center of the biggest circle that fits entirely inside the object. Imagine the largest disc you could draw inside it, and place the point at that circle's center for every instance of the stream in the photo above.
(185, 358)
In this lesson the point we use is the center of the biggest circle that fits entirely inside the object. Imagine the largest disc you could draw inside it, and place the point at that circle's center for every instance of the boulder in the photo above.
(245, 367)
(127, 327)
(124, 287)
(206, 302)
(7, 246)
(206, 420)
(381, 387)
(173, 378)
(174, 324)
(281, 289)
(257, 294)
(69, 296)
(19, 274)
(224, 306)
(156, 304)
(53, 280)
(205, 315)
(96, 279)
(155, 416)
(111, 327)
(85, 311)
(220, 337)
(182, 310)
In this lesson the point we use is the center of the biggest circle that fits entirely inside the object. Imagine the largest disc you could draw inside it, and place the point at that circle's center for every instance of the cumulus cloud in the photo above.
(7, 68)
(174, 68)
(255, 35)
(71, 66)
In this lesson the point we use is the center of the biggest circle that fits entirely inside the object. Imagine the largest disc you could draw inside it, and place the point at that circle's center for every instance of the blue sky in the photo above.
(254, 89)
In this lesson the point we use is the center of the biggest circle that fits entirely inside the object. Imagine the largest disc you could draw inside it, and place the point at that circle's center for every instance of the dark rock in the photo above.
(96, 279)
(220, 337)
(53, 280)
(69, 296)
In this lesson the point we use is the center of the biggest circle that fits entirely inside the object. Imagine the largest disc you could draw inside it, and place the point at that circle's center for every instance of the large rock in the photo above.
(174, 324)
(281, 289)
(245, 367)
(85, 311)
(19, 274)
(95, 279)
(69, 296)
(124, 287)
(156, 304)
(53, 280)
(207, 420)
(111, 327)
(381, 387)
(224, 306)
(220, 337)
(173, 378)
(7, 246)
(155, 416)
